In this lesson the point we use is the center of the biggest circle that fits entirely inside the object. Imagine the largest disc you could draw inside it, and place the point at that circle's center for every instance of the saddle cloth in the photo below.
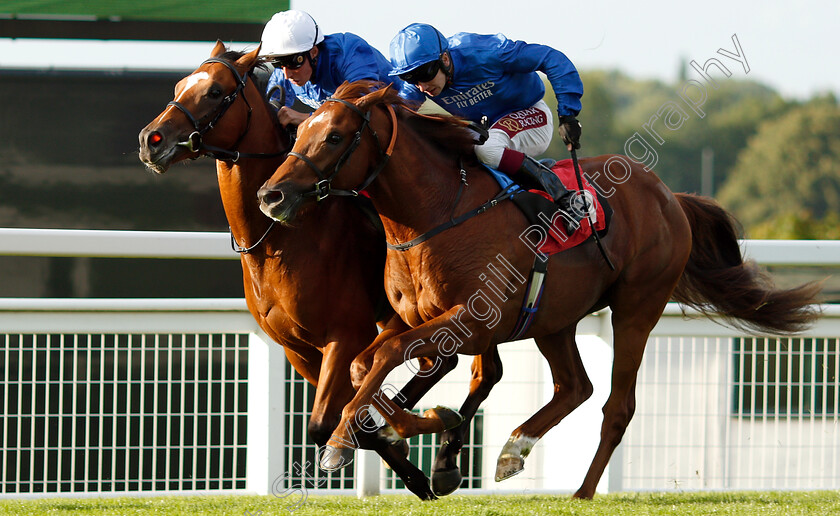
(547, 230)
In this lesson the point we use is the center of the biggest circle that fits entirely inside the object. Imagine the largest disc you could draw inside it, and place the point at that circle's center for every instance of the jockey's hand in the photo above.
(570, 131)
(288, 116)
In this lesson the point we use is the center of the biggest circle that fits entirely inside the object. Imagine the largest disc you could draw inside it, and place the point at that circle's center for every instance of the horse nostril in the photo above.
(269, 196)
(155, 138)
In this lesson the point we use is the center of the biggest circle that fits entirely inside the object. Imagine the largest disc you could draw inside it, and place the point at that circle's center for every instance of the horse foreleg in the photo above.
(388, 402)
(305, 360)
(393, 352)
(429, 373)
(361, 365)
(413, 478)
(571, 388)
(486, 372)
(333, 390)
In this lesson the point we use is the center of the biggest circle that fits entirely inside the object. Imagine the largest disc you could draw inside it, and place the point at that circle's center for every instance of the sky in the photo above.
(789, 46)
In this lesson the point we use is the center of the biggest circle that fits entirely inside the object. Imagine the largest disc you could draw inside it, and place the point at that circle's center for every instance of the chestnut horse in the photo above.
(315, 287)
(663, 246)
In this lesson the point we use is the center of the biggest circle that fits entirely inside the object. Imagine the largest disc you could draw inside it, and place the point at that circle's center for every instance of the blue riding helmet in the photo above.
(414, 46)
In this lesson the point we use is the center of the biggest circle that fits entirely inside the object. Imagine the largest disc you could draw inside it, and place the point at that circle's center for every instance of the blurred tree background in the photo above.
(775, 163)
(786, 181)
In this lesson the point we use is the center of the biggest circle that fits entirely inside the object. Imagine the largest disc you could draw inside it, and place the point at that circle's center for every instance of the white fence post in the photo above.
(266, 405)
(367, 473)
(615, 468)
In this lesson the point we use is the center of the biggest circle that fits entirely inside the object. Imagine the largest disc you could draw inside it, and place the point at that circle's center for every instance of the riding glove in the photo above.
(570, 130)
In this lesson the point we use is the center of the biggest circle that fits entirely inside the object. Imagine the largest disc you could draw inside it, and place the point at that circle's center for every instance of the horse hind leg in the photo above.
(571, 388)
(636, 310)
(486, 372)
(620, 406)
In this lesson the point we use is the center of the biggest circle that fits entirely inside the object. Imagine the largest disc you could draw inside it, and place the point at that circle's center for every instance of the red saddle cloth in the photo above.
(556, 239)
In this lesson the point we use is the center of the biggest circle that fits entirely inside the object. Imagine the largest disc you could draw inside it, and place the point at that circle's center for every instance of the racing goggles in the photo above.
(292, 62)
(423, 73)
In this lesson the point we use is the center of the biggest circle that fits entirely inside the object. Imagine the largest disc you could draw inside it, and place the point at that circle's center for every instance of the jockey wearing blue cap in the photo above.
(311, 65)
(475, 76)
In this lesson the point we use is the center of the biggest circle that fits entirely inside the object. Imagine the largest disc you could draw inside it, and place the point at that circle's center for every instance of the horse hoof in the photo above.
(446, 481)
(334, 458)
(508, 466)
(450, 418)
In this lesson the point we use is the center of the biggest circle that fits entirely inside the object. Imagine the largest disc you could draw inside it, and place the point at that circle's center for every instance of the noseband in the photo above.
(323, 188)
(194, 141)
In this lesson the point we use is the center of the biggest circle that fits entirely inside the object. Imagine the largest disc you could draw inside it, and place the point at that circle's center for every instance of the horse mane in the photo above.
(449, 133)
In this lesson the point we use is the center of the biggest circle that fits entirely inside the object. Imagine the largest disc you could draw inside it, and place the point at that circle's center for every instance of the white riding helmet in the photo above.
(290, 32)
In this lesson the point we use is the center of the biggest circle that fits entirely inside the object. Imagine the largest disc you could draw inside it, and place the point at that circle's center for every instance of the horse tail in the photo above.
(717, 280)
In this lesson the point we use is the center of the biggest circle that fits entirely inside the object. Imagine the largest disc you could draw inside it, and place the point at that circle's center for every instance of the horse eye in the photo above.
(214, 93)
(334, 138)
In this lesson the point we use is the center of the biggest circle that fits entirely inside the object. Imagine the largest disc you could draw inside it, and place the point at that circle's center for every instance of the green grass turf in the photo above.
(726, 503)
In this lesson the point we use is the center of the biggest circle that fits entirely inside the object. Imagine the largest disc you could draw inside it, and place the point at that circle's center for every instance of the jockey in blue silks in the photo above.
(311, 65)
(475, 76)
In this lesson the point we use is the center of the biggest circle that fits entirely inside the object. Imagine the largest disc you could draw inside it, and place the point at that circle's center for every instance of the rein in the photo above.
(454, 221)
(195, 141)
(245, 250)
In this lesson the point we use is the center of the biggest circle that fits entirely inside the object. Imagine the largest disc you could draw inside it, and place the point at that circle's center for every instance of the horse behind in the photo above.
(663, 246)
(316, 287)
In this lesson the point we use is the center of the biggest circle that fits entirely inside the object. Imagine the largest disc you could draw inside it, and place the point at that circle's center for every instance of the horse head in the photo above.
(205, 115)
(335, 149)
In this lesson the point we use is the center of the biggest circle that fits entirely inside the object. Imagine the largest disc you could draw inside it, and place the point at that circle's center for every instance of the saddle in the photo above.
(546, 231)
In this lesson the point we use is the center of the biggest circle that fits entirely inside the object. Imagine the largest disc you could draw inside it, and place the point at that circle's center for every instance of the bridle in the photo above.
(323, 188)
(195, 141)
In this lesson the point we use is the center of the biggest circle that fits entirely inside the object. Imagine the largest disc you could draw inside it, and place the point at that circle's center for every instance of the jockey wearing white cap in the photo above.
(311, 65)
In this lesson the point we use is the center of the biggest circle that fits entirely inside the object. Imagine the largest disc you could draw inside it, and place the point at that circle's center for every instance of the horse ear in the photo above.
(373, 98)
(247, 61)
(218, 49)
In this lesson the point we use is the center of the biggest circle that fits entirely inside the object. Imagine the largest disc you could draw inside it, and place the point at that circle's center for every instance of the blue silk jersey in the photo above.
(343, 57)
(494, 76)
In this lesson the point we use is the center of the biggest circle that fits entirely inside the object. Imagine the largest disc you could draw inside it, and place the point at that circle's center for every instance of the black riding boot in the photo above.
(551, 184)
